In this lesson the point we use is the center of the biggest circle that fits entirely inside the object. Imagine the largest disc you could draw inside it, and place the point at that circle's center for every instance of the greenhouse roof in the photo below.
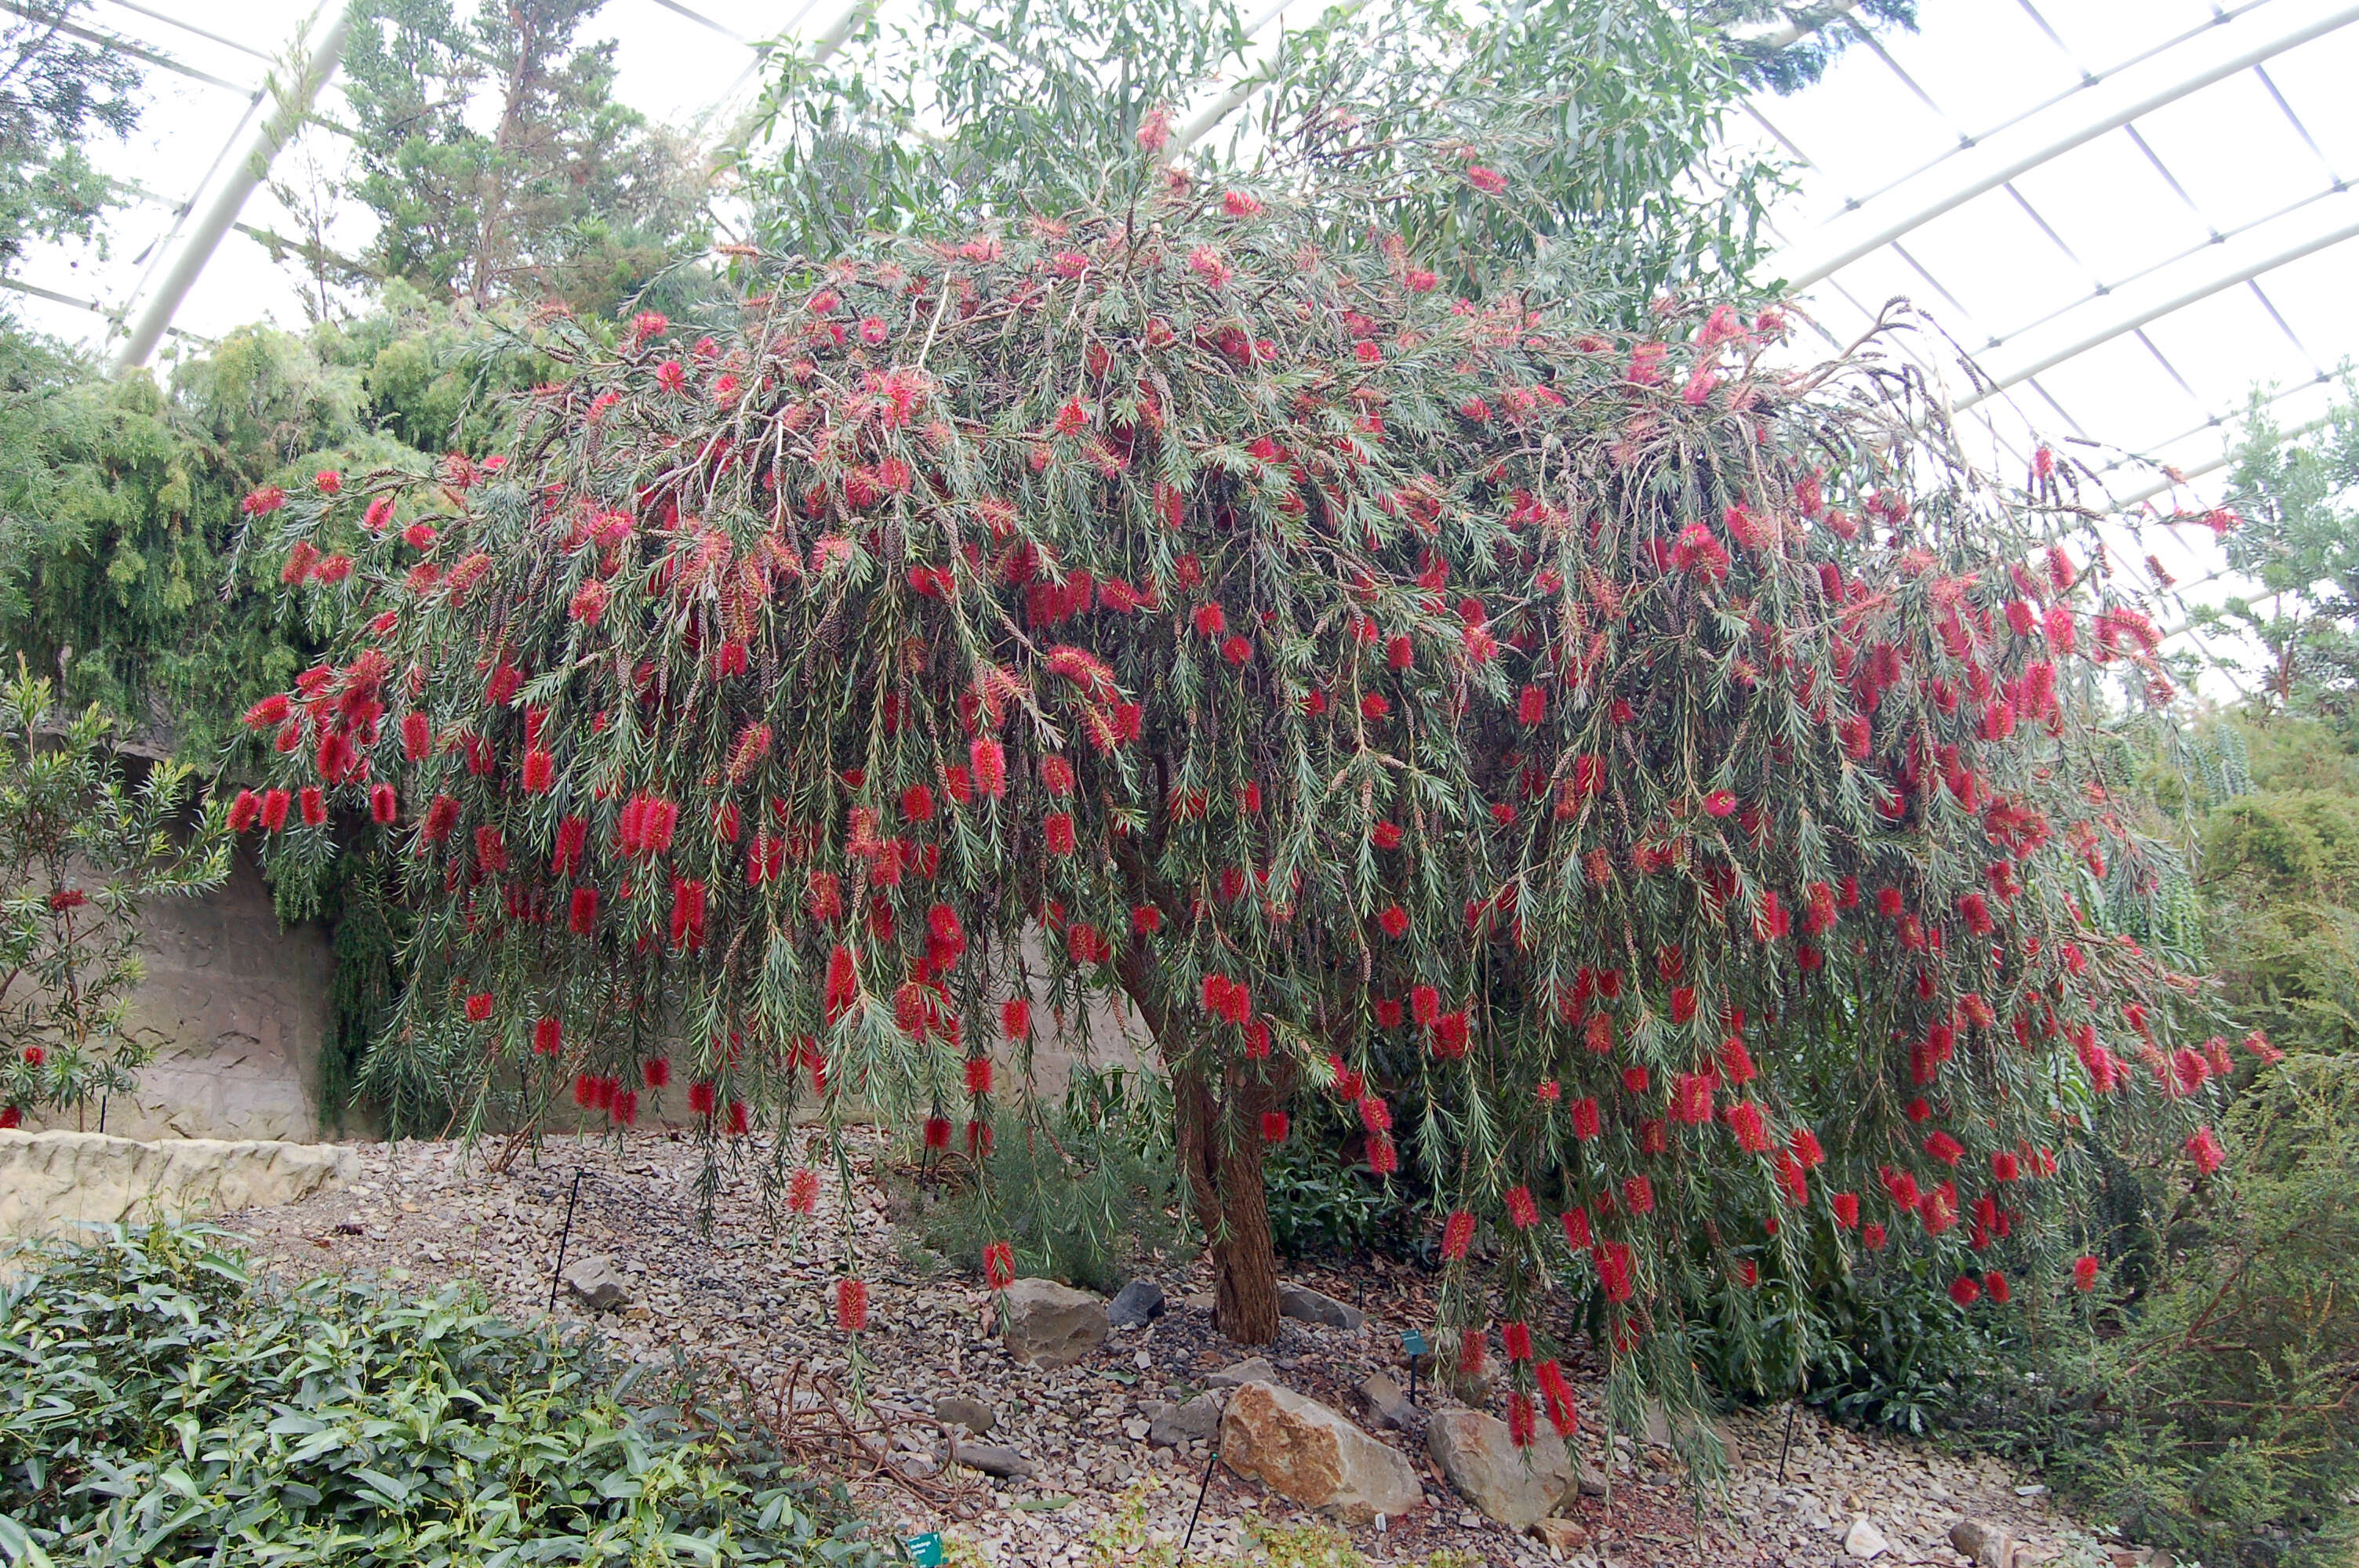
(2118, 220)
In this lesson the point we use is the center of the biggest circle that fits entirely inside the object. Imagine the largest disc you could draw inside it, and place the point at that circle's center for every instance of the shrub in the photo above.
(82, 851)
(157, 1406)
(1082, 1193)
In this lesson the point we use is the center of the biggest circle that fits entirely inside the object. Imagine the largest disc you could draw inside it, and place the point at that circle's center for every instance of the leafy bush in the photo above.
(157, 1406)
(1320, 1204)
(82, 849)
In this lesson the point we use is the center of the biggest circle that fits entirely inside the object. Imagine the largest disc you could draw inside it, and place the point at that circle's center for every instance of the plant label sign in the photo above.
(925, 1551)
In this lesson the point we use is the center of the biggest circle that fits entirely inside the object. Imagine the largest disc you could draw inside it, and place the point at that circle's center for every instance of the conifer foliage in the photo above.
(1670, 775)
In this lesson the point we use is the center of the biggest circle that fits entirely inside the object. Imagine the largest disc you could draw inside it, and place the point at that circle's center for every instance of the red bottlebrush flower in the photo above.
(1056, 774)
(1847, 1208)
(802, 1187)
(656, 1072)
(1966, 1290)
(2004, 1167)
(1395, 921)
(1752, 1130)
(741, 1118)
(999, 1265)
(1386, 836)
(1274, 1125)
(384, 806)
(978, 1075)
(1994, 1284)
(1576, 1228)
(1210, 620)
(1549, 1091)
(1523, 1213)
(938, 1132)
(2084, 1273)
(1805, 1145)
(852, 1305)
(1638, 1195)
(1450, 1035)
(1635, 1079)
(1375, 1116)
(1872, 1237)
(1382, 1158)
(314, 805)
(1373, 706)
(1683, 1003)
(582, 912)
(701, 1097)
(1457, 1235)
(269, 713)
(244, 810)
(539, 773)
(479, 1007)
(1425, 1004)
(1556, 1394)
(417, 737)
(2205, 1151)
(1057, 832)
(1518, 1338)
(1942, 1146)
(1237, 650)
(491, 851)
(1531, 706)
(548, 1037)
(1489, 181)
(1720, 803)
(585, 1089)
(842, 982)
(989, 764)
(1585, 1123)
(1146, 919)
(274, 809)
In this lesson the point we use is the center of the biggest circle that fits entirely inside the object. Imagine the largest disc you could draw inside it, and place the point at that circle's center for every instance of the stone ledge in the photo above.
(49, 1181)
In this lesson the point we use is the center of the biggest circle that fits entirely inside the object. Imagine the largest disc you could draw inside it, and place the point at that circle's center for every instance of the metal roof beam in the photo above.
(333, 22)
(2110, 105)
(2151, 305)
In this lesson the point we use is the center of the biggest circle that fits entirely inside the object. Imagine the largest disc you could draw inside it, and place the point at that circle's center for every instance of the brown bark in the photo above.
(1222, 1172)
(1225, 1186)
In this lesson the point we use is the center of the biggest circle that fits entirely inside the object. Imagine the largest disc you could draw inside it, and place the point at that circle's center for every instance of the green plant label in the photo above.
(925, 1551)
(1413, 1342)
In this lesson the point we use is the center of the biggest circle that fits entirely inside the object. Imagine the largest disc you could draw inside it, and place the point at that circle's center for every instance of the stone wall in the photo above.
(49, 1181)
(243, 1011)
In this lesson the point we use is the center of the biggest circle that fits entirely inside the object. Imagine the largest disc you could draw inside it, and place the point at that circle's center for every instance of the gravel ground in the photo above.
(758, 1298)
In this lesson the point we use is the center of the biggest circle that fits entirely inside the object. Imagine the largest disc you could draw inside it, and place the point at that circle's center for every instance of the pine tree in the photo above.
(1671, 769)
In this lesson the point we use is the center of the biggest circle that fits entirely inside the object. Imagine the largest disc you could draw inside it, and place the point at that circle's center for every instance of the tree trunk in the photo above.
(1224, 1185)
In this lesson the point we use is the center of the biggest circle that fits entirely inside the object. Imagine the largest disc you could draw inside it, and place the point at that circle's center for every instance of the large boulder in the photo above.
(1305, 1452)
(1517, 1487)
(1051, 1325)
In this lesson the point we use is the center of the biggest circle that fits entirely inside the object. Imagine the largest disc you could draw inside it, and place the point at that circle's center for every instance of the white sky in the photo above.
(2194, 191)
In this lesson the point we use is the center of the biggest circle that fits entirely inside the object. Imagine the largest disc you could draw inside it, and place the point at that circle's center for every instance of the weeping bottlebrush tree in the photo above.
(1671, 775)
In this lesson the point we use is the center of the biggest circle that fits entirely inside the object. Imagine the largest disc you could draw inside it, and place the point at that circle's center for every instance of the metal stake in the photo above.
(564, 1237)
(1792, 1409)
(1198, 1511)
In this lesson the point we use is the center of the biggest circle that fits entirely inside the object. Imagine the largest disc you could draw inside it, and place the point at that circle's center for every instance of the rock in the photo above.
(958, 1410)
(1135, 1305)
(1051, 1325)
(1173, 1426)
(1518, 1488)
(1560, 1535)
(595, 1284)
(1303, 1302)
(1863, 1540)
(1198, 1301)
(1385, 1401)
(1253, 1369)
(1305, 1452)
(1658, 1424)
(1990, 1545)
(1593, 1483)
(992, 1459)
